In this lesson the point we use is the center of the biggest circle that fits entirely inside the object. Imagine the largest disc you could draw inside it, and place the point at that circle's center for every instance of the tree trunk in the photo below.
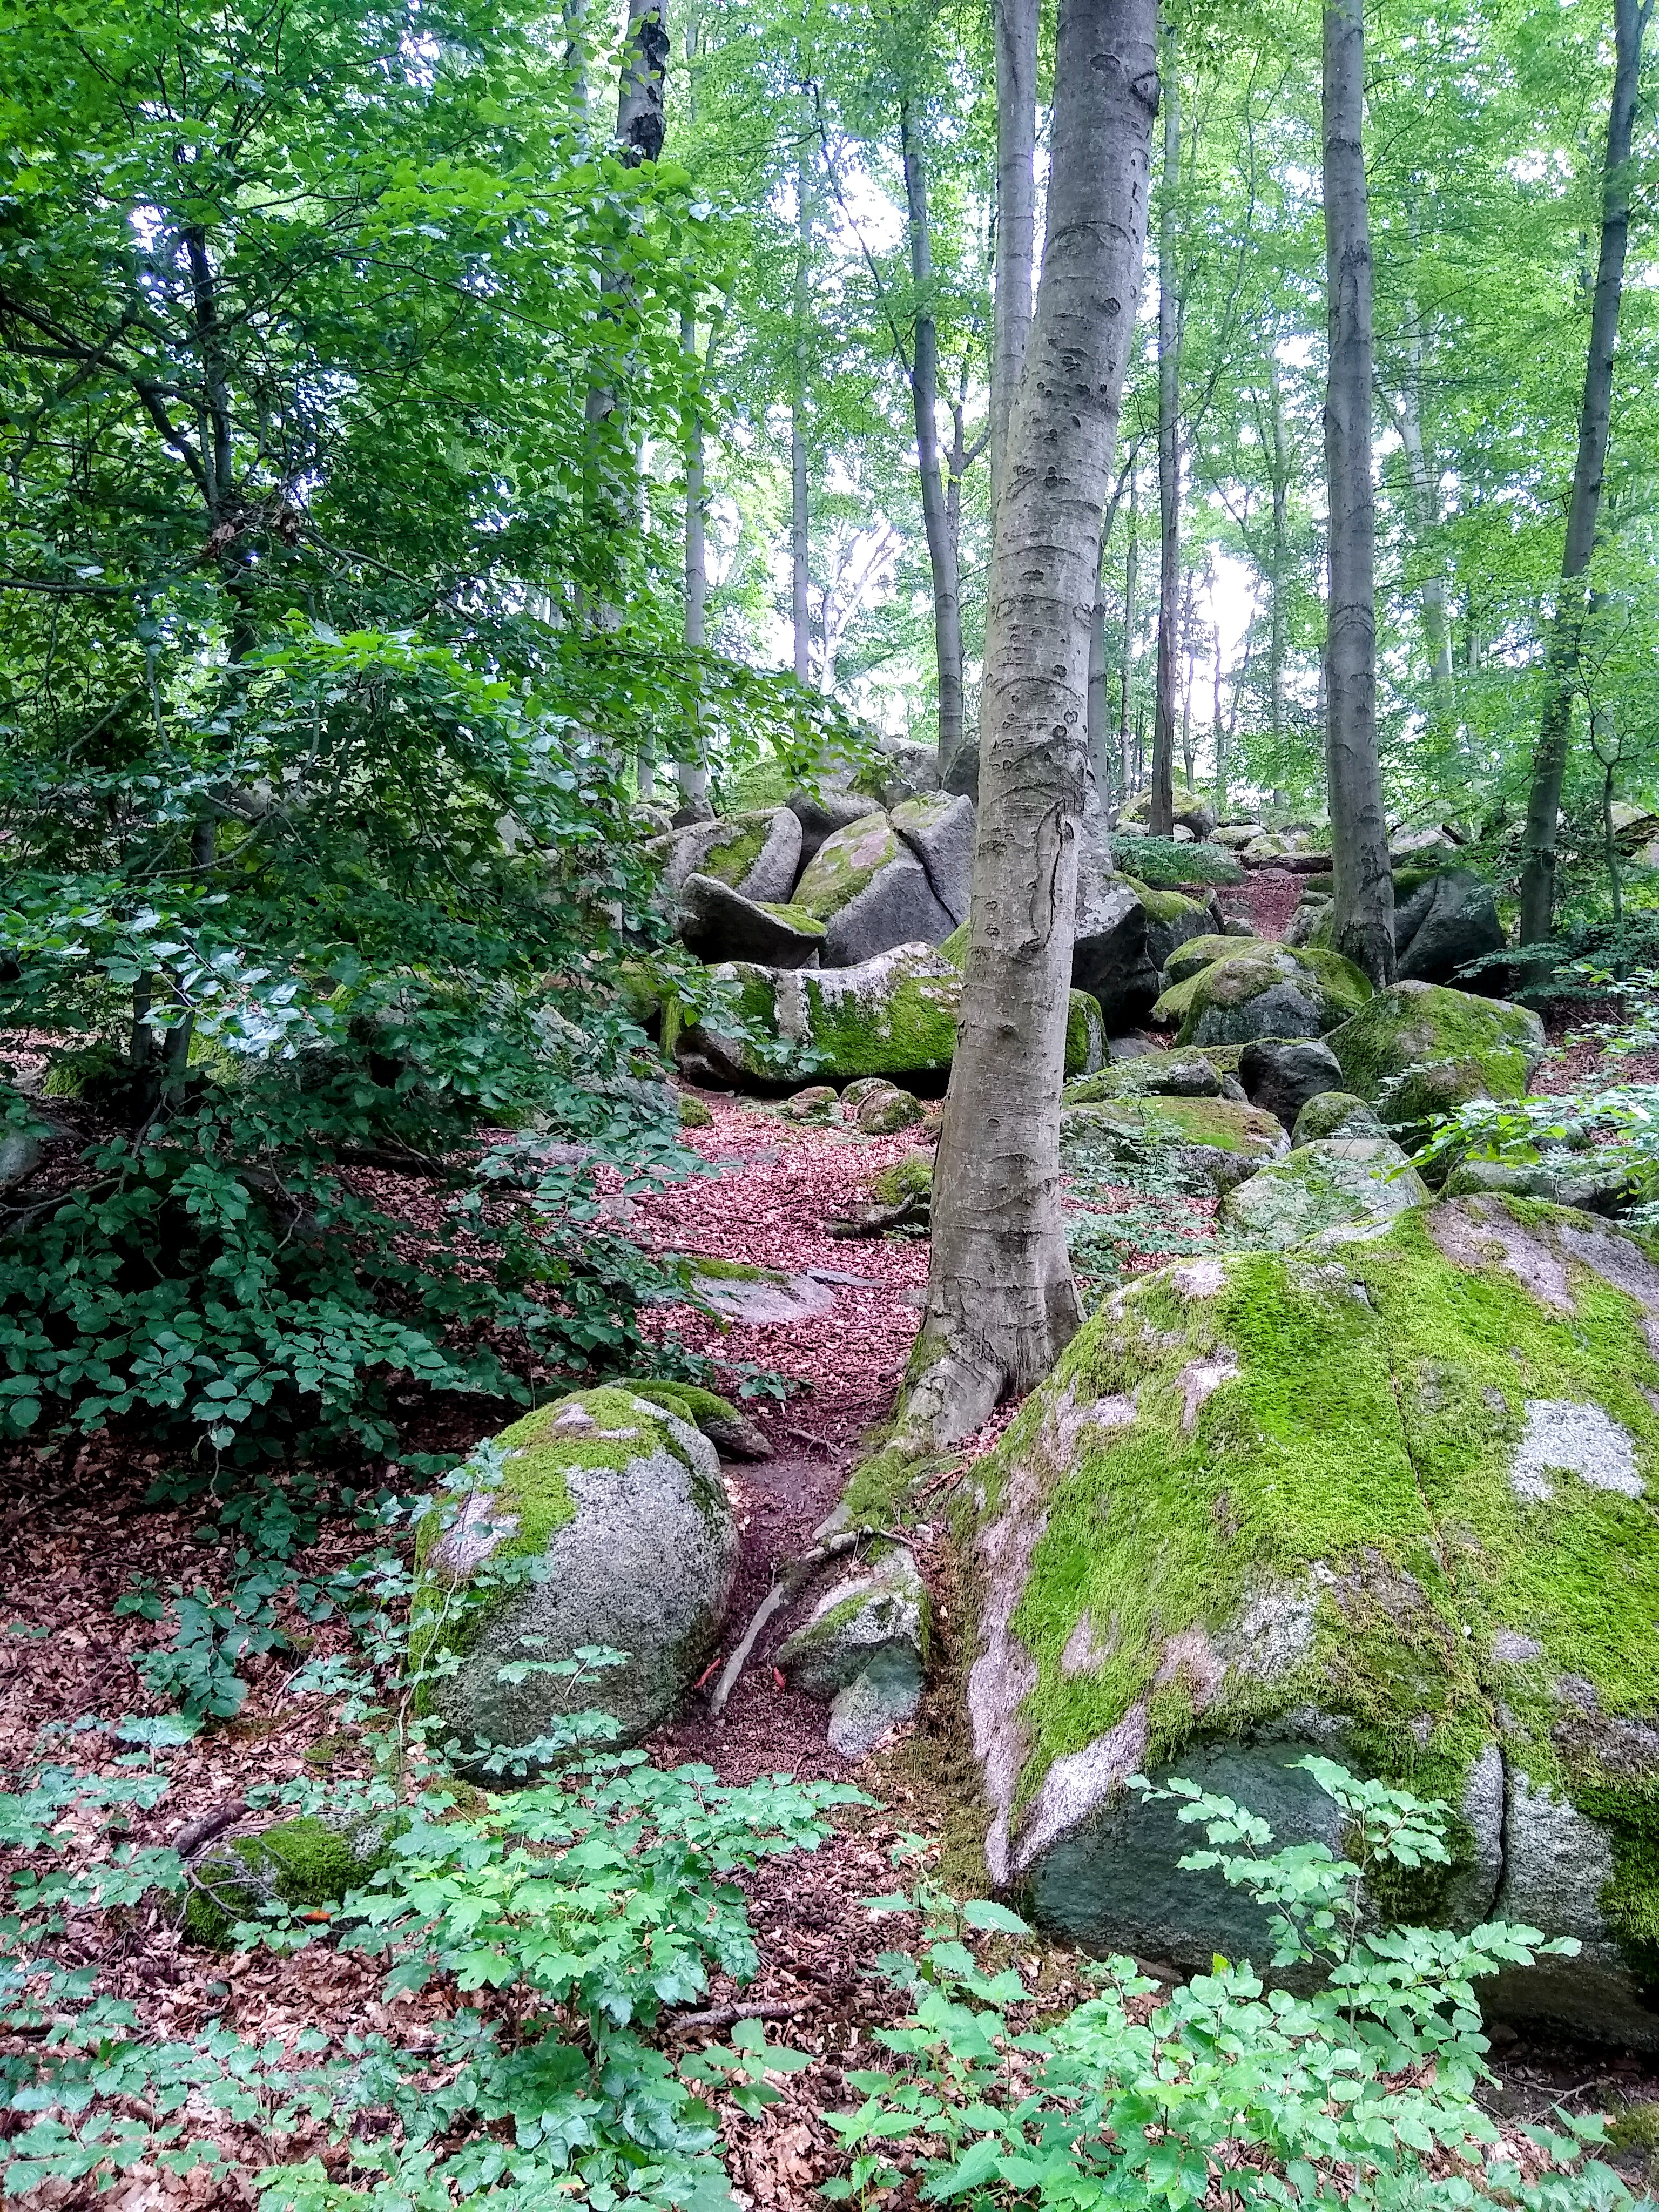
(1016, 246)
(1362, 889)
(1016, 29)
(1188, 655)
(800, 570)
(1125, 736)
(1279, 628)
(1437, 631)
(1001, 1300)
(1549, 763)
(694, 772)
(924, 395)
(1160, 818)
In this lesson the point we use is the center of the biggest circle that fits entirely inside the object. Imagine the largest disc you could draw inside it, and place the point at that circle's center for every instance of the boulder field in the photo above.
(1388, 1497)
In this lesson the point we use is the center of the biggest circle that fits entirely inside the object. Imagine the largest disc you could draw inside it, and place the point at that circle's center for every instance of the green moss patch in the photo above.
(1346, 1454)
(1085, 1033)
(736, 848)
(910, 1177)
(1198, 953)
(845, 863)
(1216, 1122)
(1411, 1025)
(302, 1863)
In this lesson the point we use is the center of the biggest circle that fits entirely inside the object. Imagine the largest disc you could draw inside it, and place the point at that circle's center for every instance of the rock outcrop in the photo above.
(1416, 1051)
(1264, 990)
(1388, 1499)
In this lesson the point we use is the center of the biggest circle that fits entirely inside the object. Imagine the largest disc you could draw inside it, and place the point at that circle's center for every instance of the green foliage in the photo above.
(1364, 2093)
(1166, 865)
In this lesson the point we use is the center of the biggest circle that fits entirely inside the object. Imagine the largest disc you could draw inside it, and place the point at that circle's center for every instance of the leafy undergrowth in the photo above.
(461, 2057)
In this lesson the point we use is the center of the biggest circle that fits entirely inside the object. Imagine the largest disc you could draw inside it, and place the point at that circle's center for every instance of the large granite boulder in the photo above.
(871, 892)
(1264, 990)
(757, 854)
(1203, 1146)
(1196, 952)
(821, 813)
(717, 923)
(1418, 1050)
(1388, 1499)
(1149, 1074)
(1172, 920)
(1282, 1073)
(1451, 919)
(1109, 957)
(895, 1015)
(1191, 810)
(939, 830)
(1324, 1184)
(621, 1501)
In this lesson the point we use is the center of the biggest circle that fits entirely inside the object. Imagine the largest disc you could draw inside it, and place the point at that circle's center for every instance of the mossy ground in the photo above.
(1368, 1435)
(302, 1863)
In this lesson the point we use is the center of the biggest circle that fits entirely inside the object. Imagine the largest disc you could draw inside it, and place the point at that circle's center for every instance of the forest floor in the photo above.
(76, 1531)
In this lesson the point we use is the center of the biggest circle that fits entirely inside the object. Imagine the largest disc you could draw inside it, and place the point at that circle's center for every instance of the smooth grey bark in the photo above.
(1549, 764)
(1001, 1300)
(1279, 627)
(1189, 655)
(1160, 813)
(1100, 751)
(1015, 24)
(1436, 630)
(1361, 887)
(924, 396)
(800, 525)
(693, 772)
(1125, 735)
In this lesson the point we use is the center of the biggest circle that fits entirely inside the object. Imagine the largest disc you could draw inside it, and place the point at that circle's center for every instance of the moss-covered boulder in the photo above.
(1085, 1035)
(733, 1433)
(619, 1502)
(1391, 1500)
(306, 1864)
(1149, 1075)
(1335, 1114)
(864, 1647)
(717, 923)
(871, 892)
(1109, 955)
(878, 1107)
(1418, 1050)
(757, 853)
(1198, 1144)
(1197, 953)
(1327, 1183)
(1264, 990)
(895, 1015)
(1173, 920)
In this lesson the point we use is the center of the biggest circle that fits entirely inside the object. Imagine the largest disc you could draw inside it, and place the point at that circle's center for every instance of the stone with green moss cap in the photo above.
(1172, 920)
(756, 854)
(1264, 990)
(1321, 1185)
(1335, 1114)
(717, 923)
(864, 1646)
(1198, 953)
(1390, 1499)
(872, 892)
(621, 1501)
(1416, 1050)
(895, 1015)
(1198, 1143)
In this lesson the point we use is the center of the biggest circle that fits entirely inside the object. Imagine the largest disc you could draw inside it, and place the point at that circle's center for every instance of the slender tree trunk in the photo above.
(1016, 29)
(1016, 246)
(1549, 764)
(1217, 724)
(1362, 889)
(1100, 750)
(1277, 623)
(1436, 630)
(800, 545)
(1160, 818)
(1188, 658)
(694, 772)
(1001, 1300)
(1125, 735)
(924, 395)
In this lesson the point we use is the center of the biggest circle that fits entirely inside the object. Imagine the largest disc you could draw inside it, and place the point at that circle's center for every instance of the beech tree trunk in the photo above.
(800, 543)
(924, 395)
(1125, 733)
(1000, 1301)
(1016, 27)
(1362, 890)
(1549, 764)
(1436, 630)
(693, 772)
(1277, 623)
(1160, 816)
